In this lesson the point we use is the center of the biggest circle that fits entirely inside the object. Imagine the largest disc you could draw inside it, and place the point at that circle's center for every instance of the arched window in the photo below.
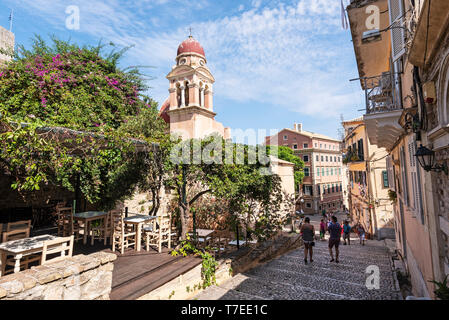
(178, 94)
(443, 99)
(187, 95)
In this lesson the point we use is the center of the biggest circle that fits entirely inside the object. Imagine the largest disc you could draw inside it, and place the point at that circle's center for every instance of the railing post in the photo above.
(366, 97)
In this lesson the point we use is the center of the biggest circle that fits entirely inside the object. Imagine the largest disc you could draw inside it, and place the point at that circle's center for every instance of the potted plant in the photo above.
(392, 196)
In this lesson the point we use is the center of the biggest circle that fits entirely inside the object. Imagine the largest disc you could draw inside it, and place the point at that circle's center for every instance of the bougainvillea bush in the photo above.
(65, 115)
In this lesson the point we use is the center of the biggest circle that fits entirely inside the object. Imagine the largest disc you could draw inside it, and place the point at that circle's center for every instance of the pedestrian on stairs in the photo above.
(308, 233)
(322, 229)
(347, 232)
(361, 231)
(334, 238)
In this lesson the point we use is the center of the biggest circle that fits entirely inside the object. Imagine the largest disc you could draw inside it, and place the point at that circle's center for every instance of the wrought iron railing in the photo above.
(381, 93)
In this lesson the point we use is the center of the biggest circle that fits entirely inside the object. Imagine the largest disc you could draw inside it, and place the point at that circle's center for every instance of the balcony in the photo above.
(383, 110)
(353, 156)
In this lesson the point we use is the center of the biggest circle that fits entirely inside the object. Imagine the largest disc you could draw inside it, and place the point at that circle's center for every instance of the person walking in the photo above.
(322, 229)
(308, 233)
(361, 231)
(347, 232)
(334, 238)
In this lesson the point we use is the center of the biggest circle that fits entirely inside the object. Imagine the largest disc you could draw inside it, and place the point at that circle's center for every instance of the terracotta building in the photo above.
(404, 69)
(322, 188)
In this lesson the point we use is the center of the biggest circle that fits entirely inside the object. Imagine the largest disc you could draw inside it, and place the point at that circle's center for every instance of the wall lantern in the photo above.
(426, 159)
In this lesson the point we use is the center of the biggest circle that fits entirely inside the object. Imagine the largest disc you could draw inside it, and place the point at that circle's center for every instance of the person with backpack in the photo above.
(334, 238)
(346, 232)
(361, 231)
(308, 234)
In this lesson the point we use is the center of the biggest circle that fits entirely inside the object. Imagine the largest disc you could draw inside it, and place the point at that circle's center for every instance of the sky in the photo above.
(275, 62)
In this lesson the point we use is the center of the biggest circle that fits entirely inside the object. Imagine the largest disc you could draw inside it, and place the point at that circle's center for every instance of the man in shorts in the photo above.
(334, 238)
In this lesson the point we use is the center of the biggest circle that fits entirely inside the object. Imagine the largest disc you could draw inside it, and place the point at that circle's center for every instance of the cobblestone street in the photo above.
(288, 278)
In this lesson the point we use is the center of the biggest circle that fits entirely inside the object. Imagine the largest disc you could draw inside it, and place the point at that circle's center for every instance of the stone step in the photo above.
(346, 289)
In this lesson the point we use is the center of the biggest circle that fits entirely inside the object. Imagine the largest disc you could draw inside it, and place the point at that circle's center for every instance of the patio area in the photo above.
(138, 273)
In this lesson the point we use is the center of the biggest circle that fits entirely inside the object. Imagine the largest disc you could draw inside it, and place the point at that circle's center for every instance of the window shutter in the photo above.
(415, 179)
(396, 11)
(390, 170)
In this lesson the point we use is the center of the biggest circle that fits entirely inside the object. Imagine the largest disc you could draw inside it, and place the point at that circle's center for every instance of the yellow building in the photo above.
(403, 66)
(368, 182)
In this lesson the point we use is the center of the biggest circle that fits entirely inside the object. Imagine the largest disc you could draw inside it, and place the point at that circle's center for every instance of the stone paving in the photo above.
(288, 278)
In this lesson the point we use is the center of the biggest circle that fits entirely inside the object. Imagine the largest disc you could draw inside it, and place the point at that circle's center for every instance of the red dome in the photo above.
(191, 45)
(163, 112)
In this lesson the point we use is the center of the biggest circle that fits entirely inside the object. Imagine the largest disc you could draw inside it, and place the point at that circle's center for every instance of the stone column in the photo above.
(193, 96)
(208, 99)
(173, 99)
(202, 97)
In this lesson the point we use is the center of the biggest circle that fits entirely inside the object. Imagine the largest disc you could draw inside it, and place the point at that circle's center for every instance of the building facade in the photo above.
(403, 68)
(368, 184)
(190, 109)
(6, 43)
(322, 188)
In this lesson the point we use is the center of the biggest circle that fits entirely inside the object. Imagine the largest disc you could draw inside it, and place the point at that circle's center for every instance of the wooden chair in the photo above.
(63, 248)
(159, 233)
(19, 225)
(122, 238)
(15, 234)
(99, 233)
(220, 242)
(67, 226)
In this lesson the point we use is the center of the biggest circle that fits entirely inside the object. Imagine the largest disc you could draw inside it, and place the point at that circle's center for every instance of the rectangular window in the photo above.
(306, 172)
(330, 159)
(306, 158)
(333, 187)
(404, 176)
(335, 159)
(295, 146)
(327, 171)
(316, 145)
(306, 145)
(317, 158)
(318, 172)
(322, 158)
(327, 159)
(321, 146)
(332, 171)
(285, 137)
(322, 172)
(308, 205)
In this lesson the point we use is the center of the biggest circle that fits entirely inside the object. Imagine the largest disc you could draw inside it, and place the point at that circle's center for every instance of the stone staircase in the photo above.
(288, 278)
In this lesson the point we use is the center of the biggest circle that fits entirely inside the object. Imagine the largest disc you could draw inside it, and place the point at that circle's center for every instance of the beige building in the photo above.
(6, 43)
(404, 70)
(322, 187)
(368, 182)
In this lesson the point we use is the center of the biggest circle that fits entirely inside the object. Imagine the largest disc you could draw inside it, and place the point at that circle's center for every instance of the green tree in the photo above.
(70, 116)
(285, 153)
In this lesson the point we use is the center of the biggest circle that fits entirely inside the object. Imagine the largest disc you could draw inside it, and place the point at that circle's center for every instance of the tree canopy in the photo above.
(285, 153)
(64, 86)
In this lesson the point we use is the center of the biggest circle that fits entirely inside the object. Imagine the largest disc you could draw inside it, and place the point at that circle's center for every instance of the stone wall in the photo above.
(77, 278)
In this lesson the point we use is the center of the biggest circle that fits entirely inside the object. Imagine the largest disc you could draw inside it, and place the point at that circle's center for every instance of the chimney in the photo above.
(295, 126)
(299, 126)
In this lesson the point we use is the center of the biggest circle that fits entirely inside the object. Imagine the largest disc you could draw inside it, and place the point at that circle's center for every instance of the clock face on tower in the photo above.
(201, 62)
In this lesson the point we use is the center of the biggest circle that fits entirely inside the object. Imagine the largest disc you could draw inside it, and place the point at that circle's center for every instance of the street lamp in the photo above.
(426, 159)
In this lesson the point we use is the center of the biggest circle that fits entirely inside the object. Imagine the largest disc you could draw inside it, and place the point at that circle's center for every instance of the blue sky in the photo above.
(274, 62)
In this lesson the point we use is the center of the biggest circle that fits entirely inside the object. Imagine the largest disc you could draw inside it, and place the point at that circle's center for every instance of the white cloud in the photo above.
(275, 53)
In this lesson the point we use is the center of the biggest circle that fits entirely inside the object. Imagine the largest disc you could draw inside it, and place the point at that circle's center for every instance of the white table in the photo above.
(138, 220)
(88, 217)
(241, 242)
(21, 248)
(203, 234)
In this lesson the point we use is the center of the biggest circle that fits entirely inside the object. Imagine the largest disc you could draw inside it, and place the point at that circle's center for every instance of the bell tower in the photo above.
(191, 94)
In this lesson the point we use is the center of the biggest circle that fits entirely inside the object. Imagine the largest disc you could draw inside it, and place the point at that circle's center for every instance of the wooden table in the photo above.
(138, 220)
(88, 217)
(203, 234)
(21, 248)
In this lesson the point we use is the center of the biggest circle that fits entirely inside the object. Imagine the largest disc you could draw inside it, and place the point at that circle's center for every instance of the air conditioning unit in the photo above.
(371, 35)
